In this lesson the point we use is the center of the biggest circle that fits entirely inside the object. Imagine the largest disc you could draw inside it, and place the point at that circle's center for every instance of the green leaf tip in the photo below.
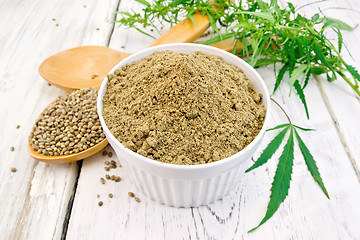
(311, 164)
(281, 183)
(301, 94)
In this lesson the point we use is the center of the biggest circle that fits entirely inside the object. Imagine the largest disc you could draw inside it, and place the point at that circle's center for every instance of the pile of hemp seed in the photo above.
(68, 125)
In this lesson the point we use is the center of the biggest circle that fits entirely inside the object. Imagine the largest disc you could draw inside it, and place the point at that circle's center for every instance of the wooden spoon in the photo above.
(67, 158)
(87, 66)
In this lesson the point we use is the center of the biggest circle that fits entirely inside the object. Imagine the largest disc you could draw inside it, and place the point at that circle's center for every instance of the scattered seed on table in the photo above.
(107, 162)
(98, 196)
(117, 179)
(112, 177)
(107, 176)
(13, 169)
(84, 6)
(97, 29)
(110, 195)
(57, 25)
(110, 154)
(137, 199)
(102, 180)
(18, 126)
(49, 84)
(53, 19)
(100, 203)
(120, 166)
(12, 149)
(104, 153)
(107, 168)
(131, 194)
(122, 46)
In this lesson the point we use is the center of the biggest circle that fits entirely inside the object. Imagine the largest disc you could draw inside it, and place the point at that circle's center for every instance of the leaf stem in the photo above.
(282, 109)
(355, 86)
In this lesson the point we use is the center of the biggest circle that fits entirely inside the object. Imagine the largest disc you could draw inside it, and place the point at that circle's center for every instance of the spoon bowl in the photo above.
(80, 67)
(68, 158)
(87, 66)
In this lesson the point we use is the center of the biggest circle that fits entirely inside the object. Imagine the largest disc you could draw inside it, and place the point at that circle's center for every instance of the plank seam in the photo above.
(337, 126)
(70, 203)
(113, 25)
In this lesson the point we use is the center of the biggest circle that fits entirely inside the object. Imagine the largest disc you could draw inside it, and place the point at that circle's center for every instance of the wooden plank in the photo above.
(306, 214)
(35, 199)
(342, 102)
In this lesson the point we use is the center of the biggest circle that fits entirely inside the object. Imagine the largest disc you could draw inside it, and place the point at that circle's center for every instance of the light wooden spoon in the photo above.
(67, 158)
(87, 66)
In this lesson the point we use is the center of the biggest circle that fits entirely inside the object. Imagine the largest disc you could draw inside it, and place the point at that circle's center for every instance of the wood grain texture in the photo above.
(34, 200)
(306, 213)
(341, 101)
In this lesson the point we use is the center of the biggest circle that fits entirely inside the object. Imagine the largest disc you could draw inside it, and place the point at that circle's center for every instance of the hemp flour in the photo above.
(182, 108)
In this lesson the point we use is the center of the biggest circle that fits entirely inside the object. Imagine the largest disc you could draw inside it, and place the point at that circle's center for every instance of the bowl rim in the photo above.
(197, 47)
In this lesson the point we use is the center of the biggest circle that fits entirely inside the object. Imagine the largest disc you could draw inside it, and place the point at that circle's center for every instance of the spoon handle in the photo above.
(185, 31)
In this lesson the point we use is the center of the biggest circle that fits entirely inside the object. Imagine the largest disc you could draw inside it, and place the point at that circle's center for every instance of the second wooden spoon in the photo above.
(87, 66)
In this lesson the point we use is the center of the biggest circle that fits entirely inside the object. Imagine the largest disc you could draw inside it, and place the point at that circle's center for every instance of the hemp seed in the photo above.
(12, 149)
(13, 169)
(102, 180)
(68, 125)
(131, 194)
(104, 153)
(117, 179)
(111, 195)
(110, 154)
(100, 203)
(137, 199)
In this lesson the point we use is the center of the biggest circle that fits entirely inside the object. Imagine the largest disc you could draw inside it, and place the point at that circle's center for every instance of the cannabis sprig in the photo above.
(269, 35)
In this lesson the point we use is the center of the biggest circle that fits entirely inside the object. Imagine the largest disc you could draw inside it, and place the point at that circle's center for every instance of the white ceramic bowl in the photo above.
(183, 185)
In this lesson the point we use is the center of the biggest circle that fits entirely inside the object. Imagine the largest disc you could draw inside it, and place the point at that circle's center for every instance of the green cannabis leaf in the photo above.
(269, 35)
(281, 182)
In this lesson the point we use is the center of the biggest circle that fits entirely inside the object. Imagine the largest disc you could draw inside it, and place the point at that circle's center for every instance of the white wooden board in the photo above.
(36, 202)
